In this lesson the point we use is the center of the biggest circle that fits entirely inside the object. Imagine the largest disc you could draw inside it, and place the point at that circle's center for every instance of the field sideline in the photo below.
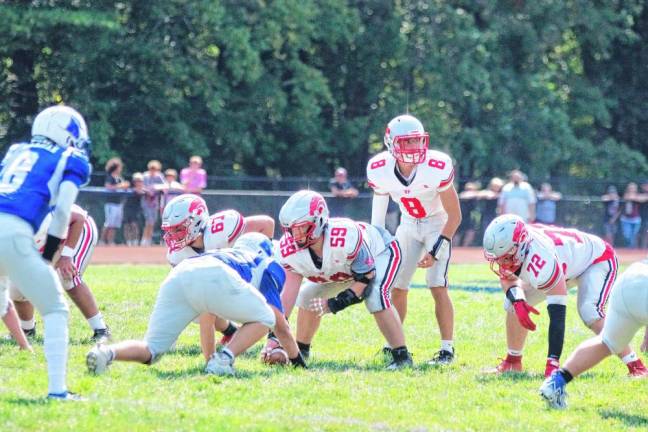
(346, 387)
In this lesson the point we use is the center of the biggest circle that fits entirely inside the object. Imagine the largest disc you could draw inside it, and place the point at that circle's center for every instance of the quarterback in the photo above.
(539, 262)
(628, 312)
(34, 177)
(419, 180)
(71, 263)
(241, 284)
(345, 263)
(189, 230)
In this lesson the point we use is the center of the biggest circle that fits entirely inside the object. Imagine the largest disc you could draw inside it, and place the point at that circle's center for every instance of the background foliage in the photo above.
(294, 87)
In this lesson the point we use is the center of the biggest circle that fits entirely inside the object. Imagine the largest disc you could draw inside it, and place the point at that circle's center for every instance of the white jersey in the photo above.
(222, 230)
(41, 235)
(343, 239)
(555, 251)
(418, 197)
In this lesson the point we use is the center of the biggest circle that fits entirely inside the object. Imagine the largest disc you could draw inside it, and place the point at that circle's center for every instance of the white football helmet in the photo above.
(256, 243)
(183, 220)
(63, 126)
(304, 217)
(406, 139)
(506, 241)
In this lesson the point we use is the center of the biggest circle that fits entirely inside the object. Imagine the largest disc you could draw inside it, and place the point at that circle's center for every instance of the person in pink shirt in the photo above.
(194, 178)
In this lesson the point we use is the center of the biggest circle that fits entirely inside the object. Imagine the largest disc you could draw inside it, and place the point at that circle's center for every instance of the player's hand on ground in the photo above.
(522, 310)
(427, 261)
(66, 267)
(319, 306)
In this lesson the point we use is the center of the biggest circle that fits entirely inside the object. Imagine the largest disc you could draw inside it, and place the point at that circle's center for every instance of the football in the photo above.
(276, 356)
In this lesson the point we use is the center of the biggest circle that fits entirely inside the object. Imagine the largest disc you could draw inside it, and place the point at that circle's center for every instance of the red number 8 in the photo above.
(378, 164)
(436, 163)
(413, 207)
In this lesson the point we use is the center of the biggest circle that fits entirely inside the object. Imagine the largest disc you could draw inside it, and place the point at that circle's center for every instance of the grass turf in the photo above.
(346, 387)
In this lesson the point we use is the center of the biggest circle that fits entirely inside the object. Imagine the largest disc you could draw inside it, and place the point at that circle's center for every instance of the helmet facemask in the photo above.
(307, 236)
(411, 149)
(179, 235)
(507, 264)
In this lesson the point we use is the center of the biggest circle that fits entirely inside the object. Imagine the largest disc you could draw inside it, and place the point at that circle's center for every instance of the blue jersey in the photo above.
(30, 175)
(265, 274)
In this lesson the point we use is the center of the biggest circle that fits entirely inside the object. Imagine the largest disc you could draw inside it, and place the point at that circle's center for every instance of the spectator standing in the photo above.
(612, 204)
(342, 190)
(171, 188)
(630, 217)
(153, 183)
(193, 177)
(133, 210)
(546, 206)
(114, 206)
(518, 197)
(470, 220)
(490, 199)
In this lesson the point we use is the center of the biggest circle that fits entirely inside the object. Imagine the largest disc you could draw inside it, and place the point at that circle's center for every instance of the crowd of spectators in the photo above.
(140, 202)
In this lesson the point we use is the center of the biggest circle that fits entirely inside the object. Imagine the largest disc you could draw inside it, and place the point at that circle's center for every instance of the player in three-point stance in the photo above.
(420, 181)
(345, 262)
(539, 262)
(242, 284)
(189, 230)
(46, 172)
(628, 312)
(71, 263)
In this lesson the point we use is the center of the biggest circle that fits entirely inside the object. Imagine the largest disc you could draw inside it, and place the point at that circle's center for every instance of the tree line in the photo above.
(296, 87)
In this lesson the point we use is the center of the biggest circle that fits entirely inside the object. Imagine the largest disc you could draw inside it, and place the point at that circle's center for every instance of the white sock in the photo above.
(28, 325)
(447, 345)
(56, 350)
(515, 353)
(630, 357)
(96, 322)
(229, 354)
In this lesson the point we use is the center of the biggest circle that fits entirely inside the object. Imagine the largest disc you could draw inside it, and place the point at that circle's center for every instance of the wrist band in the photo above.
(67, 251)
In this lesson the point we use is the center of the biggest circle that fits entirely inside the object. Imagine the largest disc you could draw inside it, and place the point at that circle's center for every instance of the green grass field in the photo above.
(345, 388)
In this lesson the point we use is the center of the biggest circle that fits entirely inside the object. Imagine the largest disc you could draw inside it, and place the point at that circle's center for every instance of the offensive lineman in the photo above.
(189, 230)
(628, 312)
(48, 171)
(537, 262)
(239, 284)
(71, 264)
(345, 263)
(420, 181)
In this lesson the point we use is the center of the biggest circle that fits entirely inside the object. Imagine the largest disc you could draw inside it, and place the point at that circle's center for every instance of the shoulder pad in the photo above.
(542, 268)
(348, 232)
(378, 168)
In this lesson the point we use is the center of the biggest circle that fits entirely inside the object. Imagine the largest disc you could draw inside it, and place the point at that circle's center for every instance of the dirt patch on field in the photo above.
(156, 255)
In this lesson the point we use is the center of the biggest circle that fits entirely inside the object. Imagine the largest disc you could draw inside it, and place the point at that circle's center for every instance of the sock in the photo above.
(514, 353)
(566, 375)
(96, 322)
(510, 358)
(28, 325)
(229, 354)
(630, 357)
(299, 361)
(447, 345)
(230, 330)
(56, 350)
(304, 348)
(400, 353)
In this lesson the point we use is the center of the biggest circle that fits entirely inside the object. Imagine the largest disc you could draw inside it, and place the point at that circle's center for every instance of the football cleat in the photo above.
(220, 364)
(98, 359)
(552, 365)
(31, 333)
(65, 396)
(101, 336)
(636, 369)
(553, 391)
(442, 358)
(508, 364)
(400, 364)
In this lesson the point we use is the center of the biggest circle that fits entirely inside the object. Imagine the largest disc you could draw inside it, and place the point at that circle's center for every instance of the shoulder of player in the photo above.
(288, 254)
(350, 231)
(380, 163)
(541, 265)
(439, 155)
(229, 214)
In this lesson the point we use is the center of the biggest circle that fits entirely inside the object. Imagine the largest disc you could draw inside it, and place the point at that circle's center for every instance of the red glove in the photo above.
(522, 310)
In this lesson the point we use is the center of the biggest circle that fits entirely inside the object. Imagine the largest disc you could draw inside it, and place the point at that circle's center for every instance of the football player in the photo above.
(345, 263)
(420, 181)
(242, 284)
(72, 262)
(189, 230)
(34, 177)
(538, 262)
(628, 312)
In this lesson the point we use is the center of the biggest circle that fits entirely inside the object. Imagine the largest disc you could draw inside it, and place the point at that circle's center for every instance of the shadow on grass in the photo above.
(509, 376)
(28, 401)
(627, 419)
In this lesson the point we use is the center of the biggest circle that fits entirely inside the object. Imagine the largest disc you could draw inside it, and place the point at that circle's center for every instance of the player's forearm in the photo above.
(207, 338)
(450, 202)
(379, 207)
(61, 215)
(75, 229)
